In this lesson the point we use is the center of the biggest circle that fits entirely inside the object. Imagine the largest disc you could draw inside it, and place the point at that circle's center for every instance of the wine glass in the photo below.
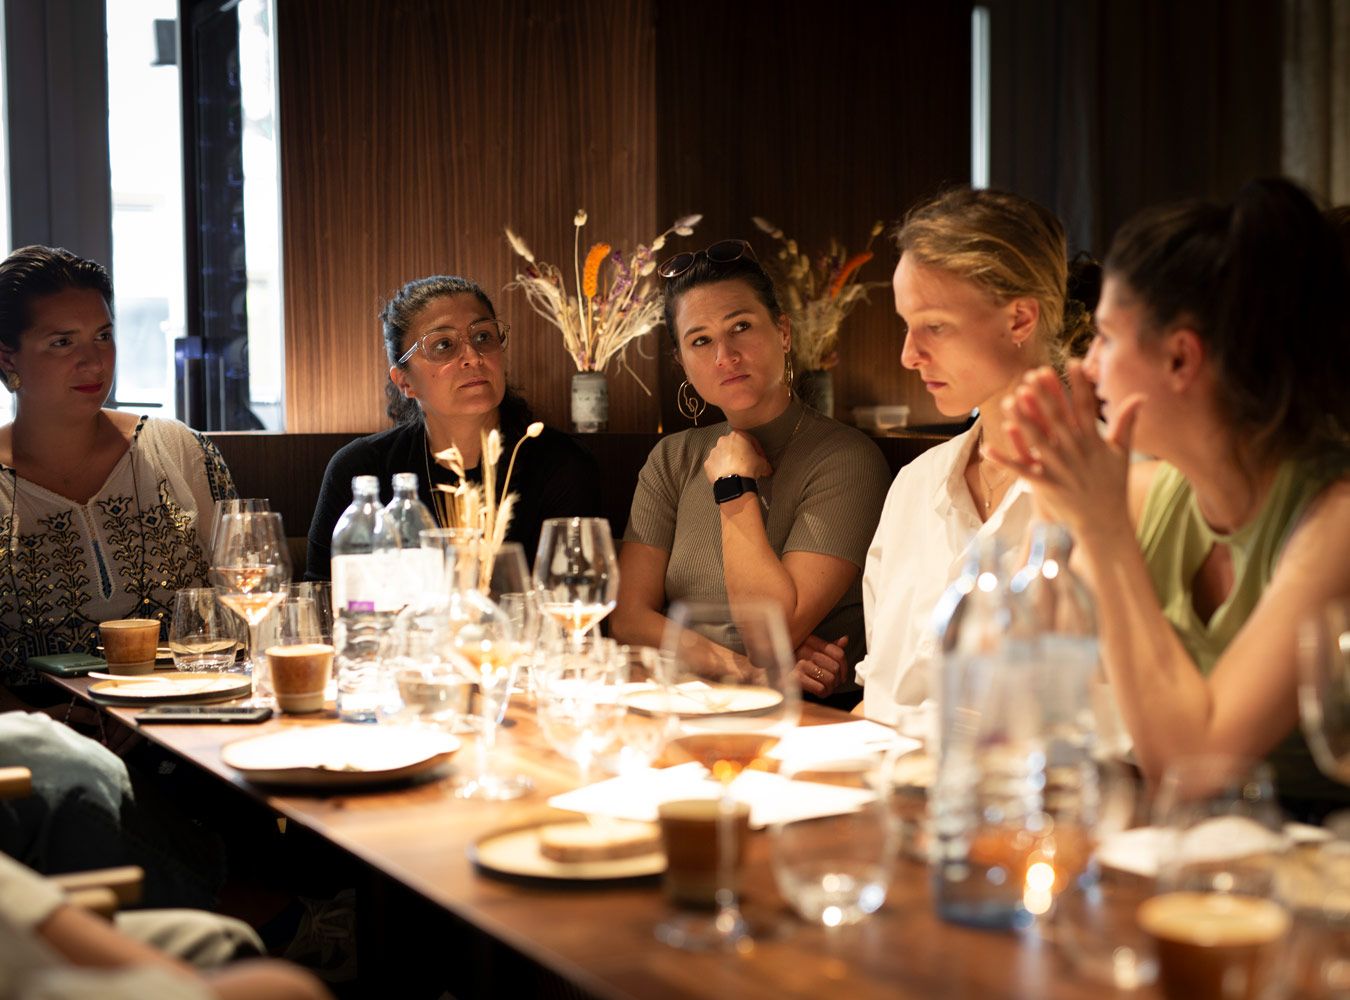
(1324, 687)
(247, 506)
(577, 699)
(1219, 918)
(492, 644)
(736, 694)
(576, 573)
(250, 569)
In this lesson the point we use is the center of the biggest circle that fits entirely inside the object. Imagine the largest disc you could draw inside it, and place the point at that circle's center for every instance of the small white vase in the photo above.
(590, 402)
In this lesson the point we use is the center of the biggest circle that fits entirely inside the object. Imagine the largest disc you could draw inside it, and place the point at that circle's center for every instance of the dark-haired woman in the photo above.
(447, 385)
(776, 502)
(1222, 350)
(104, 514)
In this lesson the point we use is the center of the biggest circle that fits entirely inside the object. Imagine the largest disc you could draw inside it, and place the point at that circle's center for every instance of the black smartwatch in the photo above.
(730, 487)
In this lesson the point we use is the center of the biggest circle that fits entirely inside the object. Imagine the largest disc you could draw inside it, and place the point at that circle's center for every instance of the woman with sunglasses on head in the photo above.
(776, 502)
(1222, 351)
(447, 386)
(985, 292)
(101, 510)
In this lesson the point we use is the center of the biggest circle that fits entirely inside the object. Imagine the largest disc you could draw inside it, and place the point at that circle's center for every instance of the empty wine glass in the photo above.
(256, 505)
(491, 643)
(737, 697)
(250, 569)
(1324, 687)
(576, 573)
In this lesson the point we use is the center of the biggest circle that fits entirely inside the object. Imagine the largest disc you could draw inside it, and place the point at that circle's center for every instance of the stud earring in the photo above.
(689, 402)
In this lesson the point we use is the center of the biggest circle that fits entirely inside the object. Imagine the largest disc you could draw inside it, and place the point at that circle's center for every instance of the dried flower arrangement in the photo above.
(614, 306)
(474, 505)
(819, 294)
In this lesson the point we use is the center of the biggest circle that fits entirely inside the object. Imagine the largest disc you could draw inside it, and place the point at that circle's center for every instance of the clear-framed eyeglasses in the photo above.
(441, 347)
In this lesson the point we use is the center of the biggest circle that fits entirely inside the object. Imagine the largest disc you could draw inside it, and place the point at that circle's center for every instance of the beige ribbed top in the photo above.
(825, 496)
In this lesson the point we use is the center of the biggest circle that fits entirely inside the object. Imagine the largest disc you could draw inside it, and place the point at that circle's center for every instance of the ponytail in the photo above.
(1263, 282)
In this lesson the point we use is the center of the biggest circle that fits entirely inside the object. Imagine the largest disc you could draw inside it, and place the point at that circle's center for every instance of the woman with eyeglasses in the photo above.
(447, 386)
(775, 502)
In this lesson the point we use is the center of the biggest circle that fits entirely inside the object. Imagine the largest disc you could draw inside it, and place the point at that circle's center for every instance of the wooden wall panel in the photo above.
(412, 132)
(822, 120)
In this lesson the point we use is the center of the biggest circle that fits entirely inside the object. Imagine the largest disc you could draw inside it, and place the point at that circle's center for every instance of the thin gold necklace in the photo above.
(984, 481)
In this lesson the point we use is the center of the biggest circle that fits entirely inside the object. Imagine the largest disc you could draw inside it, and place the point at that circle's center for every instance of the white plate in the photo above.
(705, 699)
(172, 686)
(515, 851)
(339, 755)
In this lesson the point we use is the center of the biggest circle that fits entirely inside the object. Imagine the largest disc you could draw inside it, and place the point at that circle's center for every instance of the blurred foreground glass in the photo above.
(1219, 919)
(836, 870)
(735, 701)
(204, 634)
(578, 699)
(1324, 687)
(490, 641)
(1094, 921)
(576, 573)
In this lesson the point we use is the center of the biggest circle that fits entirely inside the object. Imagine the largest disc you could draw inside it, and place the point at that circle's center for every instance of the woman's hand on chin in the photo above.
(1078, 474)
(736, 454)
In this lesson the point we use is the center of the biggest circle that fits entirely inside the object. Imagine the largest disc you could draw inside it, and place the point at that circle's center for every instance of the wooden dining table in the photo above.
(598, 939)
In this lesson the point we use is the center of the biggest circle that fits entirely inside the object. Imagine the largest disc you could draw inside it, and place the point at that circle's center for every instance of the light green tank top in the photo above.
(1175, 540)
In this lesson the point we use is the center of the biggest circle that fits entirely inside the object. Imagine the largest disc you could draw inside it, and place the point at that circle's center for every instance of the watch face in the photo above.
(730, 487)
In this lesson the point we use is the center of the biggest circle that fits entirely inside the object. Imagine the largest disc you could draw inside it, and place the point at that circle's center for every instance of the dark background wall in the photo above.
(412, 131)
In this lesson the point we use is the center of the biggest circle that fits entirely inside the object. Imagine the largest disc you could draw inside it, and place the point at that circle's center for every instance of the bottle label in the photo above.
(366, 583)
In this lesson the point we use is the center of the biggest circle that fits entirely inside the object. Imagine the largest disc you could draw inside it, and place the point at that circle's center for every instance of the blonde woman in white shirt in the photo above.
(982, 290)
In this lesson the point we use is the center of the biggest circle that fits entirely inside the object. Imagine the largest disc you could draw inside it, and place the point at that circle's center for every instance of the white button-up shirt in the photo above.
(927, 525)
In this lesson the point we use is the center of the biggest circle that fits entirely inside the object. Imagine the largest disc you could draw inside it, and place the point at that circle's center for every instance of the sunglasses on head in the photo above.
(721, 252)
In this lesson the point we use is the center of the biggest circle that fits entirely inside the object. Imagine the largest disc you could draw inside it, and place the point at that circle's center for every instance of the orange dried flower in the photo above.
(590, 275)
(846, 272)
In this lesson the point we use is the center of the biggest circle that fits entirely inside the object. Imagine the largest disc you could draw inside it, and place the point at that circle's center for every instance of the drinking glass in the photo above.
(577, 699)
(493, 646)
(835, 870)
(204, 634)
(250, 569)
(321, 593)
(736, 697)
(576, 573)
(1093, 922)
(1219, 918)
(646, 720)
(250, 506)
(1324, 687)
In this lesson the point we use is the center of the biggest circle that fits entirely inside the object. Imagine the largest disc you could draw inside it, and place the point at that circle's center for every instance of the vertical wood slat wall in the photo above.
(412, 131)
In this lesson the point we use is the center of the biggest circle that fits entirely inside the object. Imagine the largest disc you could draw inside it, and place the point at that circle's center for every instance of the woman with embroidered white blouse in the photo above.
(982, 290)
(103, 513)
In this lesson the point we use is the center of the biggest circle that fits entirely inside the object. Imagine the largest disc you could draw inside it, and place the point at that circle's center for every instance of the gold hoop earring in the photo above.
(788, 373)
(689, 402)
(12, 382)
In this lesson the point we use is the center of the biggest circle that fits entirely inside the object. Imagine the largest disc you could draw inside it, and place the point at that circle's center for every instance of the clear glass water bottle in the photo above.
(1053, 629)
(419, 568)
(366, 597)
(986, 803)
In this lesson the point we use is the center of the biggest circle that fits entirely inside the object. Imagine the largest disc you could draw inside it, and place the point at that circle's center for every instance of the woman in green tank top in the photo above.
(1222, 349)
